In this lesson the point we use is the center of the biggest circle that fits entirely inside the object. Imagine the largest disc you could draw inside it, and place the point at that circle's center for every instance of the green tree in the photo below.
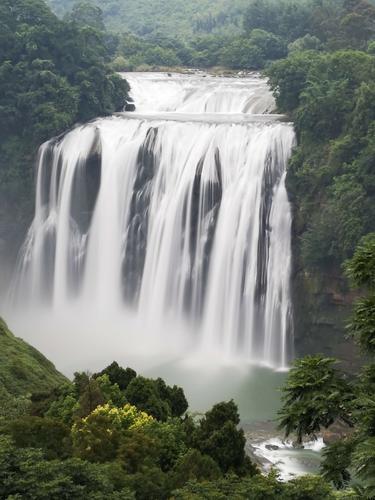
(86, 14)
(193, 466)
(218, 437)
(174, 396)
(90, 394)
(118, 375)
(337, 459)
(24, 473)
(242, 54)
(111, 392)
(307, 42)
(361, 270)
(170, 440)
(315, 396)
(137, 450)
(288, 79)
(270, 45)
(156, 398)
(51, 436)
(97, 437)
(257, 488)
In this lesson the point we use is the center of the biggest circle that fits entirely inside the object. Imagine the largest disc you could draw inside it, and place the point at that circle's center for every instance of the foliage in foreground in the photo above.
(118, 435)
(318, 395)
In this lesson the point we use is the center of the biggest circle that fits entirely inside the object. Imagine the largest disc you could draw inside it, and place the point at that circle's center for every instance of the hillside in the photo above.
(23, 369)
(53, 74)
(165, 17)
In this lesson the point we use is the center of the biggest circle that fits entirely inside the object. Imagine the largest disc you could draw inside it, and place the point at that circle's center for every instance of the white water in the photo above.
(290, 461)
(166, 232)
(156, 92)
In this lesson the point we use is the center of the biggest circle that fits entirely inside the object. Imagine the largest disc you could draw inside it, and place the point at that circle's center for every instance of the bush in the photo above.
(97, 437)
(51, 436)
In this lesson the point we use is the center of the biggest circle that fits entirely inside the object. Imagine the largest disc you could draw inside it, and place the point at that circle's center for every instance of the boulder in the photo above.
(129, 106)
(272, 447)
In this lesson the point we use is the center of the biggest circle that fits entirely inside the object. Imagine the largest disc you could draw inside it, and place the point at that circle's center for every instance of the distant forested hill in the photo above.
(166, 17)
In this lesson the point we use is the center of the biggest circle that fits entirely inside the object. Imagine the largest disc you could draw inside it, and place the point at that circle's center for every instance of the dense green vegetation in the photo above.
(118, 435)
(23, 370)
(241, 34)
(53, 74)
(174, 18)
(212, 36)
(332, 104)
(318, 394)
(326, 86)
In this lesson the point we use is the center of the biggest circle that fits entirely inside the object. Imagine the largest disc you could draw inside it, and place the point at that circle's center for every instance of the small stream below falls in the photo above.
(162, 239)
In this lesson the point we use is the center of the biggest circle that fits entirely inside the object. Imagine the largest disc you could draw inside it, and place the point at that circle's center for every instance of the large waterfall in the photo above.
(173, 221)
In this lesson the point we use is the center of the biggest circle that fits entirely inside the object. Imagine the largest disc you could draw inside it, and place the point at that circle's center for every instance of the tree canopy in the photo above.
(317, 395)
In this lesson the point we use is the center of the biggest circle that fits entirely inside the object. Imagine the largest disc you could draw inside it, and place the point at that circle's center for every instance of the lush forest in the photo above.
(172, 34)
(119, 435)
(239, 35)
(319, 393)
(329, 93)
(326, 85)
(53, 74)
(164, 17)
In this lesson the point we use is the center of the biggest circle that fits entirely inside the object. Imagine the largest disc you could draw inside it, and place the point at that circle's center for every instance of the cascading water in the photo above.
(175, 216)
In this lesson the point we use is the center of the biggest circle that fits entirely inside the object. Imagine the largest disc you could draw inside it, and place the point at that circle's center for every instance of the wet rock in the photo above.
(297, 445)
(272, 447)
(262, 462)
(129, 106)
(335, 432)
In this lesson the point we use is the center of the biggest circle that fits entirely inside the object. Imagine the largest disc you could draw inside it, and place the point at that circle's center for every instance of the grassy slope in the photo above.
(23, 369)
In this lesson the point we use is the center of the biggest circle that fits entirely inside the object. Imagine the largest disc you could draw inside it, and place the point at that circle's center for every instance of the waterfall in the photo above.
(176, 214)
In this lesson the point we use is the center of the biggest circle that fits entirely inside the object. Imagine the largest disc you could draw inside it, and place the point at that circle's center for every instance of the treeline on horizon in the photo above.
(237, 35)
(146, 18)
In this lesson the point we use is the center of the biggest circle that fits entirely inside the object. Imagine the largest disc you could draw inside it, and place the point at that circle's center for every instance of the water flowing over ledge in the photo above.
(171, 225)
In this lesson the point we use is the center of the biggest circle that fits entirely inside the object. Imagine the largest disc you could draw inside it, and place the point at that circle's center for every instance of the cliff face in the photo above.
(23, 369)
(322, 305)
